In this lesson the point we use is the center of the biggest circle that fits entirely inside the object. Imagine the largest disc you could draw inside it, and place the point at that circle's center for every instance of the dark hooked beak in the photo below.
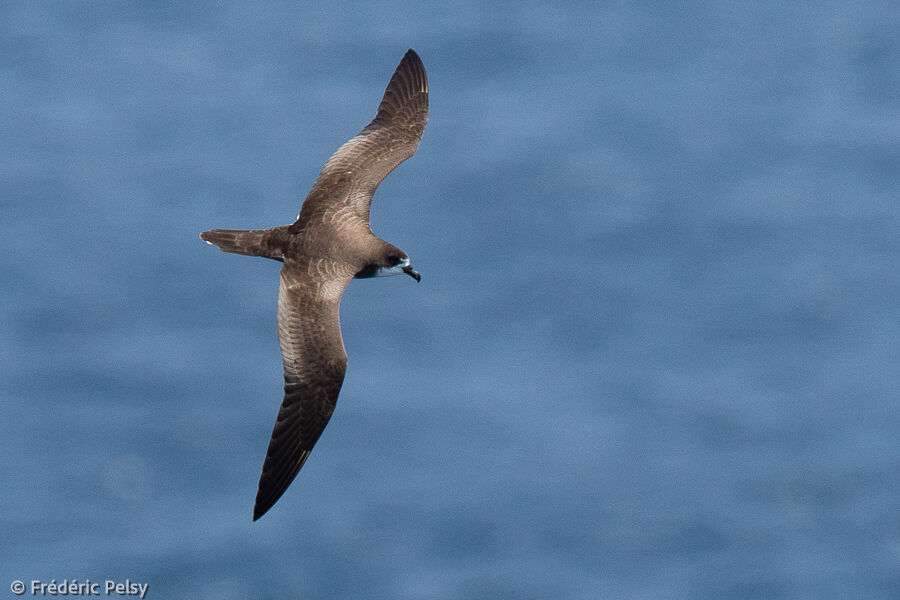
(412, 273)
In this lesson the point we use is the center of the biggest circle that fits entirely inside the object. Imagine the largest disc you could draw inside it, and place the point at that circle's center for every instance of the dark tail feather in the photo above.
(250, 242)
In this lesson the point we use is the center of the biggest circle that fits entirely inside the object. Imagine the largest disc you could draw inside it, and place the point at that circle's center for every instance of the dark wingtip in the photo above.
(413, 63)
(263, 503)
(260, 508)
(409, 83)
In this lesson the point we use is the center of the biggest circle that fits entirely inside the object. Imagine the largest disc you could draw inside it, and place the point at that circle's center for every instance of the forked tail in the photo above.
(254, 242)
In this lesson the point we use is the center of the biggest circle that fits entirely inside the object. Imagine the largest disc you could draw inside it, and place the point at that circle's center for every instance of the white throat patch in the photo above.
(390, 271)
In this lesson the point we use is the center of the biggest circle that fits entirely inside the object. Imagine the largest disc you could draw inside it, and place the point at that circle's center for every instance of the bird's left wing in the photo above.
(352, 174)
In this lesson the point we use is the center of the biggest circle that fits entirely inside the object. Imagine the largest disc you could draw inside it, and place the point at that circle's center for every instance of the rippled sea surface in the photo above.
(654, 353)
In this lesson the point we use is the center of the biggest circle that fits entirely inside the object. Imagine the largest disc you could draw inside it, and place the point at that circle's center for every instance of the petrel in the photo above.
(329, 244)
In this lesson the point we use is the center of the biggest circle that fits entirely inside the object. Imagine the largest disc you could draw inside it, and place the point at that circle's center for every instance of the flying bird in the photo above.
(329, 244)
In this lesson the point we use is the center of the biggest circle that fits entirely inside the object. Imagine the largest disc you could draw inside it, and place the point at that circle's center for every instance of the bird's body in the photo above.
(329, 244)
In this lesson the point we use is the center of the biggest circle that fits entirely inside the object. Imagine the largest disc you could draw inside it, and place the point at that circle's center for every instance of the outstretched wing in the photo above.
(312, 351)
(352, 174)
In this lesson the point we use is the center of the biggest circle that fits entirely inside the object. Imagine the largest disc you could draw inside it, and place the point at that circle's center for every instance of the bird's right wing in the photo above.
(312, 351)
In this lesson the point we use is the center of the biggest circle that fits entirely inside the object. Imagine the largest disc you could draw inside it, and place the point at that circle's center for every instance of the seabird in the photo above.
(329, 244)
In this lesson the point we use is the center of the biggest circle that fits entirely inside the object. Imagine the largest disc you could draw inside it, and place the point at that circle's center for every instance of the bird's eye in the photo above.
(394, 260)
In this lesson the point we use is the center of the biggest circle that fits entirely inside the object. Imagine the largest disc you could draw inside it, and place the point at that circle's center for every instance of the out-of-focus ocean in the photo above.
(654, 353)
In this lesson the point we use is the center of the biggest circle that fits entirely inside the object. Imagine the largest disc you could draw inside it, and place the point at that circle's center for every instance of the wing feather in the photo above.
(354, 172)
(314, 360)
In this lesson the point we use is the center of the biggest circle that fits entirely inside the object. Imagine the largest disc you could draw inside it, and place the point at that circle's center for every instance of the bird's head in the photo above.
(392, 261)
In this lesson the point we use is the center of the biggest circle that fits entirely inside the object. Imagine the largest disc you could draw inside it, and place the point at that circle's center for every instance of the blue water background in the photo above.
(654, 353)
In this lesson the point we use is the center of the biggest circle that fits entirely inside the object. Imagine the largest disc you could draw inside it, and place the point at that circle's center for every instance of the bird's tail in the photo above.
(250, 242)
